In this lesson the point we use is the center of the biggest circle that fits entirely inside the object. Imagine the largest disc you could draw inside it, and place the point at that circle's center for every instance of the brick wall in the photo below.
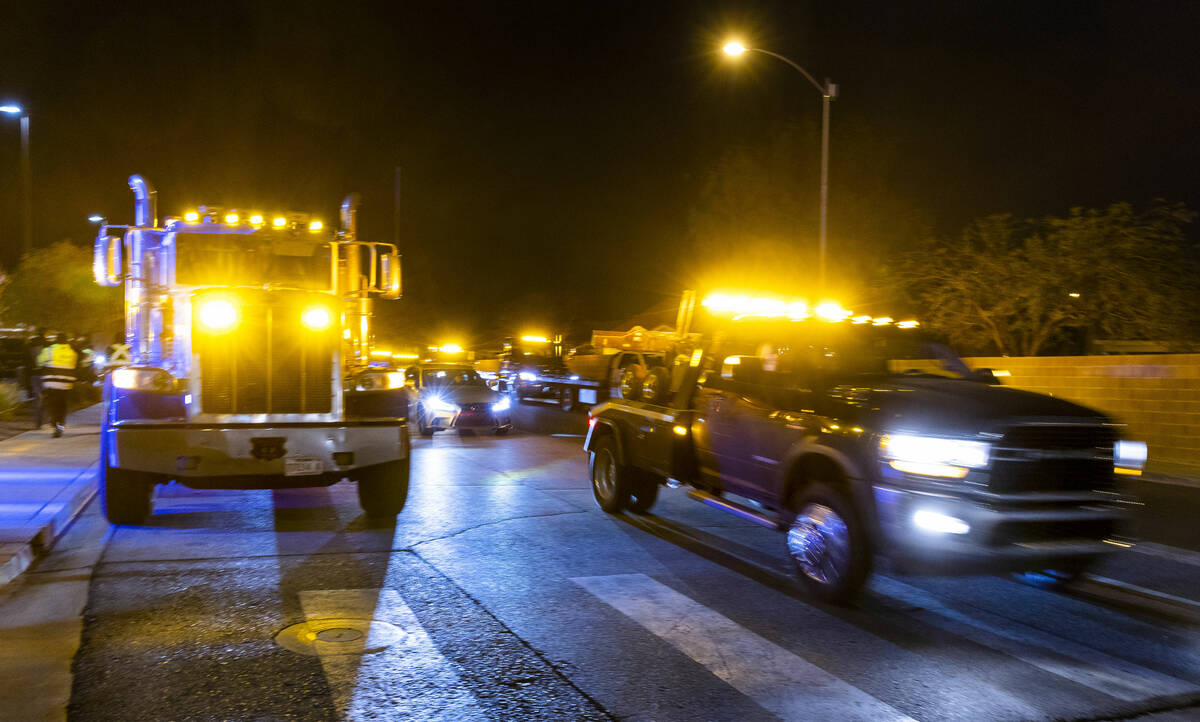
(1158, 396)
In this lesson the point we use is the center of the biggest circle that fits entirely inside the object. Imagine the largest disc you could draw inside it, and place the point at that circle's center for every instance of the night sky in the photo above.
(551, 154)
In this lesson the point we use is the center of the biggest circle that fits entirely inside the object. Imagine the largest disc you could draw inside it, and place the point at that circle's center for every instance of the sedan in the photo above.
(453, 396)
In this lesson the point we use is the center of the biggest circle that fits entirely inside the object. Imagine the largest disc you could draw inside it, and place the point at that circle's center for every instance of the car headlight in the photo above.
(1129, 457)
(528, 376)
(503, 404)
(143, 379)
(439, 405)
(933, 456)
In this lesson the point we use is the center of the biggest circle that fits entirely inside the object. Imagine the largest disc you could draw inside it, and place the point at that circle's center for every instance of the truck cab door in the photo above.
(729, 418)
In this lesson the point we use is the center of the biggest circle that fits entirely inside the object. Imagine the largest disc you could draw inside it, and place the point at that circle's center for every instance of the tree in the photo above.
(53, 287)
(1015, 287)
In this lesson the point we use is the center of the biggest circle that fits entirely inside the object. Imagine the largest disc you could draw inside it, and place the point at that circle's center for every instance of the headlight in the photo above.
(932, 456)
(143, 379)
(1129, 457)
(316, 318)
(441, 406)
(218, 315)
(503, 404)
(528, 376)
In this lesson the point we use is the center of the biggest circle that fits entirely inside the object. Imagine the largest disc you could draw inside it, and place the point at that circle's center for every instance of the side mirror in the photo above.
(389, 275)
(106, 261)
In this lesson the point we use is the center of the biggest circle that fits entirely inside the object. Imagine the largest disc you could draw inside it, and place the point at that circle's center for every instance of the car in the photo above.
(454, 396)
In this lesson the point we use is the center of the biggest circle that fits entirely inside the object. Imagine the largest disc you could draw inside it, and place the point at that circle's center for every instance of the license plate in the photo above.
(302, 467)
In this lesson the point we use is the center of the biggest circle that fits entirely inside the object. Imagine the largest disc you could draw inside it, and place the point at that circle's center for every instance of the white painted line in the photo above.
(568, 436)
(1175, 554)
(1145, 592)
(408, 680)
(1070, 660)
(775, 678)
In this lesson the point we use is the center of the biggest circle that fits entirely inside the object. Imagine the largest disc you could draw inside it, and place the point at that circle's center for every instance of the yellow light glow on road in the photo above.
(734, 48)
(218, 315)
(316, 318)
(279, 222)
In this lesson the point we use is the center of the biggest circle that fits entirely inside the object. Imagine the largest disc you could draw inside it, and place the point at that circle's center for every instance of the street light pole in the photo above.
(26, 179)
(828, 92)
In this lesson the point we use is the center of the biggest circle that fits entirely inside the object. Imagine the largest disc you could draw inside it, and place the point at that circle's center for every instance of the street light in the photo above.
(26, 177)
(828, 92)
(97, 218)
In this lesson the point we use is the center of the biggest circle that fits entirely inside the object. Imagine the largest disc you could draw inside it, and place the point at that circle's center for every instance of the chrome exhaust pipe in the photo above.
(145, 207)
(349, 216)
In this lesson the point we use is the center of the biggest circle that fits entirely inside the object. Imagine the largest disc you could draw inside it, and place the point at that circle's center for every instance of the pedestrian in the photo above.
(56, 365)
(33, 380)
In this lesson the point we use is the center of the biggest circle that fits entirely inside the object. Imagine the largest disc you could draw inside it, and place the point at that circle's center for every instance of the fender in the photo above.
(609, 429)
(857, 475)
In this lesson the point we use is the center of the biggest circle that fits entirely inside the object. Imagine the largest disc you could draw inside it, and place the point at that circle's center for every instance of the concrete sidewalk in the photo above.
(44, 484)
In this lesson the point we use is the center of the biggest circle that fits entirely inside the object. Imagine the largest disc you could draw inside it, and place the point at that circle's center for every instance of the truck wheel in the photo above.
(566, 398)
(631, 382)
(644, 492)
(125, 495)
(383, 488)
(828, 544)
(656, 385)
(611, 481)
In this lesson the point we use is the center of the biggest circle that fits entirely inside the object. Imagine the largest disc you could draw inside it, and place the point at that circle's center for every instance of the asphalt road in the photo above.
(503, 592)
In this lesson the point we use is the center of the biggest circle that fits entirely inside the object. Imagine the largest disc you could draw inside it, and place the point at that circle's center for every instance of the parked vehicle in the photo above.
(454, 396)
(864, 440)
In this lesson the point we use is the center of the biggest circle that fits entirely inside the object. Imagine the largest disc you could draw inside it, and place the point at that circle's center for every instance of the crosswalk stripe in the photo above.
(1070, 660)
(410, 679)
(775, 678)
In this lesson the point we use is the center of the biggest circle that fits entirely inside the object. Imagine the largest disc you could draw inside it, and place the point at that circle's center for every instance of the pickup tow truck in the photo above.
(862, 440)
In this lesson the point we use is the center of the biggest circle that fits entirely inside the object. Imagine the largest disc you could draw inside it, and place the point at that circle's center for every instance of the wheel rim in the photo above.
(604, 475)
(819, 542)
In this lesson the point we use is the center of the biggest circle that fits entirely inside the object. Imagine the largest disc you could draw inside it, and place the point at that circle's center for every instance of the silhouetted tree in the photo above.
(53, 287)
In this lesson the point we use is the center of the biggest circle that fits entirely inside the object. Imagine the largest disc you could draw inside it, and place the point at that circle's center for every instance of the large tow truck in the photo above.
(250, 341)
(861, 439)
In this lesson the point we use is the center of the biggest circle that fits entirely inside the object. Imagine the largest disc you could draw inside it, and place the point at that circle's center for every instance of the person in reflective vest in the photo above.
(56, 366)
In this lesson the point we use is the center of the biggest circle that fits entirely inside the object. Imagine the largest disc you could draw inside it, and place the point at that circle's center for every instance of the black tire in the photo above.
(631, 382)
(125, 495)
(644, 492)
(611, 482)
(421, 427)
(828, 544)
(501, 430)
(383, 488)
(656, 386)
(566, 398)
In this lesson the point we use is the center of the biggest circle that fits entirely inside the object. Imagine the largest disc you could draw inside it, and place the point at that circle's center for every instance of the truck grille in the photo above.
(268, 364)
(1068, 457)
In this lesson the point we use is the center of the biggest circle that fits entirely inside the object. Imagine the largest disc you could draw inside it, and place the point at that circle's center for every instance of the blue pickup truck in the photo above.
(862, 441)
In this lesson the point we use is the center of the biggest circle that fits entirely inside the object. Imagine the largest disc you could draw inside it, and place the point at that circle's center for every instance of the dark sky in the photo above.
(550, 152)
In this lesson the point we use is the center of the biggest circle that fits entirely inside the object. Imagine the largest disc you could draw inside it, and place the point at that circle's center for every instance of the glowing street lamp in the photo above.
(26, 177)
(97, 218)
(828, 91)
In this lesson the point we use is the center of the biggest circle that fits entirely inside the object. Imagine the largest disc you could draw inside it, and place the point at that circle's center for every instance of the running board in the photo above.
(736, 509)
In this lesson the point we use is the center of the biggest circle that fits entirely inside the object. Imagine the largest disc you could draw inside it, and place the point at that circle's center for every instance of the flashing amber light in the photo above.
(315, 226)
(1127, 472)
(535, 339)
(861, 319)
(405, 356)
(909, 324)
(256, 220)
(279, 222)
(218, 315)
(732, 360)
(741, 307)
(231, 218)
(831, 311)
(680, 430)
(452, 348)
(316, 318)
(881, 321)
(191, 216)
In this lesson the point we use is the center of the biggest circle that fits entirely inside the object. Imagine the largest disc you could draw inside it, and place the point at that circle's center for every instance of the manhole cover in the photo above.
(339, 635)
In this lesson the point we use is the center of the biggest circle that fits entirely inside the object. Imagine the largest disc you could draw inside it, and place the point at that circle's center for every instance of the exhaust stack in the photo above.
(145, 207)
(349, 216)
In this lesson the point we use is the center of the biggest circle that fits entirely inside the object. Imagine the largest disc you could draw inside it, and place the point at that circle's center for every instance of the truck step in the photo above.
(736, 509)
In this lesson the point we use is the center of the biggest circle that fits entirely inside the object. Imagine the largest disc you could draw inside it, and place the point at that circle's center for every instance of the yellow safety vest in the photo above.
(58, 366)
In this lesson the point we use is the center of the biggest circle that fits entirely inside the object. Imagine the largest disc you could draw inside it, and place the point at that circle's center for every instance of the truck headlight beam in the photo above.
(316, 318)
(218, 315)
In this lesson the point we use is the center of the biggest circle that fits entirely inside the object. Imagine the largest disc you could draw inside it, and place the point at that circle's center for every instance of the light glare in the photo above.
(191, 216)
(279, 222)
(218, 315)
(316, 318)
(939, 523)
(734, 48)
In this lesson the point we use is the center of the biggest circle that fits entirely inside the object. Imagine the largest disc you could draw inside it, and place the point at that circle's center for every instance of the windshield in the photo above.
(262, 258)
(807, 349)
(450, 377)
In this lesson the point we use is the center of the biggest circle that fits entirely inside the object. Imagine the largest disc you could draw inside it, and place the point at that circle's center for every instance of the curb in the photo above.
(43, 533)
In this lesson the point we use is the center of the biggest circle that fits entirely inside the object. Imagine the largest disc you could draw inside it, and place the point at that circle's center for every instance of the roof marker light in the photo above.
(191, 216)
(315, 226)
(256, 220)
(231, 218)
(279, 222)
